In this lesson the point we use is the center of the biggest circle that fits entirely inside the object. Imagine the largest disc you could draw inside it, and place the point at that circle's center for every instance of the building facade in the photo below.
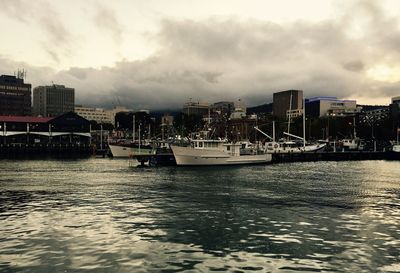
(223, 107)
(287, 103)
(15, 96)
(67, 128)
(324, 106)
(90, 113)
(53, 100)
(196, 108)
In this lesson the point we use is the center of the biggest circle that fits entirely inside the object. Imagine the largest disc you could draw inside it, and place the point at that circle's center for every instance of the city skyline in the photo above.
(157, 55)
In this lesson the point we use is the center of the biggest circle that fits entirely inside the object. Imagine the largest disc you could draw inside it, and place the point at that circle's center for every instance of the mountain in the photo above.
(264, 108)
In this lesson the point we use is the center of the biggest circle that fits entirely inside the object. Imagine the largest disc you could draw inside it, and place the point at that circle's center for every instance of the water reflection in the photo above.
(101, 216)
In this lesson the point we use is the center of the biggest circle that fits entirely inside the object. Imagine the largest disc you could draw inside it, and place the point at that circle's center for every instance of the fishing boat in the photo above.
(209, 152)
(394, 152)
(126, 149)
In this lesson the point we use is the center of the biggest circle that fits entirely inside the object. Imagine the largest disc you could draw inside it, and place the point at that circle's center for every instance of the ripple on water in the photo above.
(100, 215)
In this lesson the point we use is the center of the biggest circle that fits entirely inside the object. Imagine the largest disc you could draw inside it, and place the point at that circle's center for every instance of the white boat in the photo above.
(293, 147)
(129, 150)
(396, 148)
(352, 144)
(218, 152)
(288, 146)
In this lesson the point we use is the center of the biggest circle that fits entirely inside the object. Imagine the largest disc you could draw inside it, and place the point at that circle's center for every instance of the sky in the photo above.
(157, 54)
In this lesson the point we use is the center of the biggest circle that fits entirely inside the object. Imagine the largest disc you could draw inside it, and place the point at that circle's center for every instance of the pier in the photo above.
(16, 150)
(329, 156)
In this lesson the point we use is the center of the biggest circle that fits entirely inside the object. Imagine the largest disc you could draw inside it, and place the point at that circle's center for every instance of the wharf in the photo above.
(163, 159)
(168, 159)
(329, 156)
(15, 150)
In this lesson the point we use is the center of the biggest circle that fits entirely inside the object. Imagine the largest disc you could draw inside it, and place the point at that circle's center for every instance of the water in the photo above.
(99, 215)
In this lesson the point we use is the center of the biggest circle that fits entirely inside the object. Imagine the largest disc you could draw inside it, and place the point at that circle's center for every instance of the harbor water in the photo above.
(100, 215)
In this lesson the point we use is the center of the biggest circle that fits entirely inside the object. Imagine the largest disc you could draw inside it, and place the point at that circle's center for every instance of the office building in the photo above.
(288, 103)
(324, 106)
(196, 108)
(15, 96)
(53, 100)
(90, 113)
(223, 107)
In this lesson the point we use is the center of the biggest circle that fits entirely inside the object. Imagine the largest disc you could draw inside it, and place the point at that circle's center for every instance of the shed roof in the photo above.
(25, 119)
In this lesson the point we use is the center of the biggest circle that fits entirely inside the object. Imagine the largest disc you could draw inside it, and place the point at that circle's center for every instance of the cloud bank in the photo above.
(231, 58)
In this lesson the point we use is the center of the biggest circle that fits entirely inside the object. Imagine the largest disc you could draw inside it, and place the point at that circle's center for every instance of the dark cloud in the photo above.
(231, 58)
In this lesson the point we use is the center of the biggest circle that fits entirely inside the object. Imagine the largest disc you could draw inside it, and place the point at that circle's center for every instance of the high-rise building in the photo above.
(287, 103)
(15, 96)
(53, 100)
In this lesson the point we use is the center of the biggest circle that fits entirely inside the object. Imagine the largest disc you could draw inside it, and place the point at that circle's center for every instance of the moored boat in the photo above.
(209, 152)
(129, 149)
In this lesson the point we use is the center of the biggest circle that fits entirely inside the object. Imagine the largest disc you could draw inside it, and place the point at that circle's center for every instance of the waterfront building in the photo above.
(90, 113)
(288, 103)
(372, 116)
(240, 110)
(113, 112)
(53, 100)
(332, 106)
(223, 107)
(396, 100)
(66, 128)
(196, 108)
(15, 96)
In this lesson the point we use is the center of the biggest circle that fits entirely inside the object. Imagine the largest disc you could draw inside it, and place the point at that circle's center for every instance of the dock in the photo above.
(15, 150)
(329, 156)
(168, 159)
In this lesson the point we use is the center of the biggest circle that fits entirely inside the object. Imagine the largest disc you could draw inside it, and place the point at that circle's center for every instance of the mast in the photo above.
(139, 138)
(133, 128)
(354, 127)
(290, 111)
(273, 131)
(304, 122)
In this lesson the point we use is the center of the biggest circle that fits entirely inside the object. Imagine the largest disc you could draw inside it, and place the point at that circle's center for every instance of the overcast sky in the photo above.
(156, 54)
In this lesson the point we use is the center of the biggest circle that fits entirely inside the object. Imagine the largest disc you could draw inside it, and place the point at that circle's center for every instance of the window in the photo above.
(200, 144)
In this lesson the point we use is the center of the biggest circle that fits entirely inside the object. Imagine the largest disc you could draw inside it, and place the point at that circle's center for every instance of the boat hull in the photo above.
(187, 156)
(292, 150)
(126, 152)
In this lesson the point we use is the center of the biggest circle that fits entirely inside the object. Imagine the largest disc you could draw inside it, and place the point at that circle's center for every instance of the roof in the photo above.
(327, 99)
(23, 119)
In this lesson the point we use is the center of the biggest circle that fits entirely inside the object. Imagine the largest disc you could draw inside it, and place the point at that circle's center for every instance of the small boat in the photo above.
(293, 147)
(128, 149)
(209, 152)
(354, 144)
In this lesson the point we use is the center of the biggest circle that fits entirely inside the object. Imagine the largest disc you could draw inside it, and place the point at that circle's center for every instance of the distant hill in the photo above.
(160, 113)
(264, 108)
